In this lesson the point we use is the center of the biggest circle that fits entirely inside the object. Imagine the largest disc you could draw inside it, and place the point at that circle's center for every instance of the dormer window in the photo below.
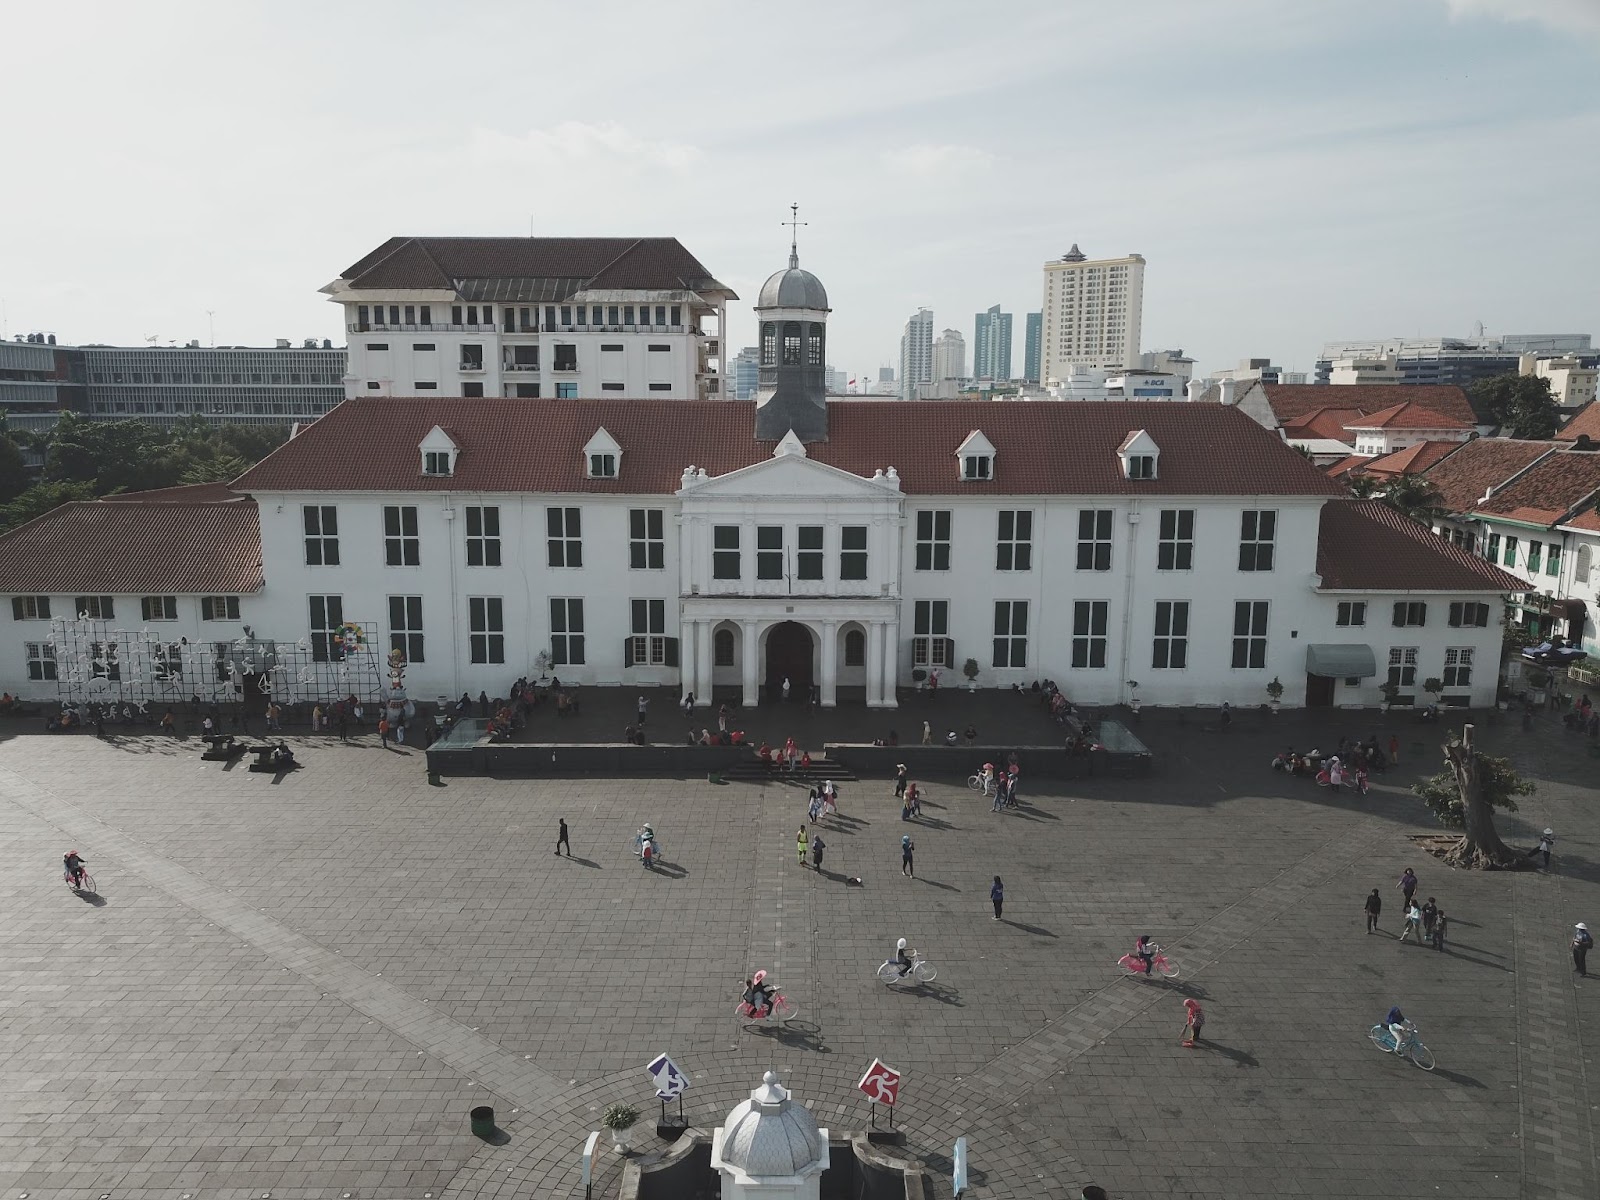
(975, 458)
(436, 462)
(602, 453)
(439, 452)
(1139, 454)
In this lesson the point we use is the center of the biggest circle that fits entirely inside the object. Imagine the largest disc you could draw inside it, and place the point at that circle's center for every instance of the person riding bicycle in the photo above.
(1145, 949)
(74, 867)
(1396, 1021)
(904, 957)
(758, 994)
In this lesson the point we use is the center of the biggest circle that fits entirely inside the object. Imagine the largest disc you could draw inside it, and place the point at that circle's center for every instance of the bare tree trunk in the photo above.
(1480, 844)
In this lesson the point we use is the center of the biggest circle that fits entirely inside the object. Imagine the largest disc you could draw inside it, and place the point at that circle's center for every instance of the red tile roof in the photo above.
(537, 446)
(1352, 464)
(160, 548)
(1326, 423)
(1481, 464)
(184, 493)
(1550, 490)
(1291, 400)
(1408, 415)
(1413, 460)
(1585, 422)
(1364, 545)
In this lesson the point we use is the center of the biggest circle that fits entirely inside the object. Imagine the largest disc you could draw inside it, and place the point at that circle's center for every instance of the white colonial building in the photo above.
(533, 317)
(1180, 552)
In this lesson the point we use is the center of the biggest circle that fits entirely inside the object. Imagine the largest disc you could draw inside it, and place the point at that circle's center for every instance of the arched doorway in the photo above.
(789, 655)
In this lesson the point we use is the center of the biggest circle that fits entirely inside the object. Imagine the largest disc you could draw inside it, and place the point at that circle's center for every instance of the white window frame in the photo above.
(321, 545)
(648, 629)
(1351, 614)
(1253, 546)
(41, 661)
(1010, 648)
(30, 608)
(932, 550)
(1175, 552)
(1252, 639)
(1457, 666)
(853, 563)
(1169, 649)
(566, 631)
(402, 541)
(484, 545)
(930, 633)
(219, 608)
(158, 608)
(1403, 666)
(647, 539)
(1014, 540)
(726, 557)
(564, 537)
(1091, 637)
(323, 647)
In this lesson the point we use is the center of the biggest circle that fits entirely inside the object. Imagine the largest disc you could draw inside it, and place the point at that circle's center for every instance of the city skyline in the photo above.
(243, 227)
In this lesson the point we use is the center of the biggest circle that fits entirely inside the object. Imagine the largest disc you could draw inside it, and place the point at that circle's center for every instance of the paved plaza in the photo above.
(298, 988)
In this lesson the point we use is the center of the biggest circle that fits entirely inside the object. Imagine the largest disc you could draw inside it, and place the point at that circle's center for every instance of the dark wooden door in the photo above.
(789, 657)
(1319, 691)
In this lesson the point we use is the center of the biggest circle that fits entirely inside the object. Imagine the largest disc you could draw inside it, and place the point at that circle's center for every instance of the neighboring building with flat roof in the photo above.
(1092, 312)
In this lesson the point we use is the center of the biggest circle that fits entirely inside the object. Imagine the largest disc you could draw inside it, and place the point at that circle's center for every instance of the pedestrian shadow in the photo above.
(671, 870)
(937, 991)
(1036, 930)
(1474, 959)
(1242, 1058)
(1190, 988)
(943, 887)
(582, 862)
(928, 822)
(846, 824)
(797, 1036)
(1459, 1078)
(1029, 813)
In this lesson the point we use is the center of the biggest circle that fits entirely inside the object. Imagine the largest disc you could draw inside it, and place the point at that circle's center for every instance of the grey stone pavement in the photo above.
(299, 988)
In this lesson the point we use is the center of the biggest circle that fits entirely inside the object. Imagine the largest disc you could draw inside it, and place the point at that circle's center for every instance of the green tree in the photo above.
(1362, 487)
(1416, 497)
(40, 499)
(1520, 404)
(1464, 796)
(13, 469)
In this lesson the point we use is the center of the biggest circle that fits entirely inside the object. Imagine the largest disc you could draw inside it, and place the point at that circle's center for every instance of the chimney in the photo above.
(1226, 388)
(1195, 388)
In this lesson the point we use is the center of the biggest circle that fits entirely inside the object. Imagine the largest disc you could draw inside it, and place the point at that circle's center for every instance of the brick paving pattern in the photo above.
(301, 987)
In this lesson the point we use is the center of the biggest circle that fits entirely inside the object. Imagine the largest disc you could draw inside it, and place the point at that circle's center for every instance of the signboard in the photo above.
(670, 1081)
(958, 1175)
(881, 1083)
(588, 1159)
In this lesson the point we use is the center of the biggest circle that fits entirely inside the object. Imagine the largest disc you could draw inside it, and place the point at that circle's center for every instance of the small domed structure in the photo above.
(770, 1145)
(794, 288)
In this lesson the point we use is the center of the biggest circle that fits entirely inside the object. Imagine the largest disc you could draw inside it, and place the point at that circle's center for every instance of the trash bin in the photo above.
(483, 1121)
(714, 777)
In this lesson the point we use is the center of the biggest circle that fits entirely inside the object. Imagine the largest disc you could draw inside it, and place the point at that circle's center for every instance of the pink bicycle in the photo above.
(1160, 965)
(780, 1009)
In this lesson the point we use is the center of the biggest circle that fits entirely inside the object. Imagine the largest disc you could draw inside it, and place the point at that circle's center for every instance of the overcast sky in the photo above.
(1293, 170)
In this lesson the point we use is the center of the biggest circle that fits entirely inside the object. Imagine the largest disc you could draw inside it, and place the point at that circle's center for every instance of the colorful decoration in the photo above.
(881, 1083)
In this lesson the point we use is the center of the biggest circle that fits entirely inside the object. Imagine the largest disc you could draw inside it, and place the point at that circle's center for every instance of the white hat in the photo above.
(1549, 833)
(1582, 926)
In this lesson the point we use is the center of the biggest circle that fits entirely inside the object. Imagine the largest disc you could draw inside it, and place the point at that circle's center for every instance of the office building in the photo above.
(991, 345)
(1030, 347)
(742, 373)
(949, 356)
(1444, 360)
(1092, 312)
(916, 353)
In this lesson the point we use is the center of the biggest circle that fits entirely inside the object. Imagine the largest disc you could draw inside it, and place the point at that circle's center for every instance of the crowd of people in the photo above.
(1350, 765)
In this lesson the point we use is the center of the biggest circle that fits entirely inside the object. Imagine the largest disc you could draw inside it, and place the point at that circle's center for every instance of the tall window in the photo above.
(1258, 530)
(1458, 667)
(37, 608)
(808, 552)
(1250, 634)
(1094, 539)
(327, 616)
(41, 661)
(405, 626)
(814, 345)
(855, 648)
(725, 552)
(322, 535)
(565, 537)
(769, 344)
(933, 539)
(103, 661)
(930, 626)
(1010, 633)
(1089, 620)
(722, 648)
(158, 608)
(1410, 612)
(769, 551)
(1510, 558)
(791, 344)
(219, 608)
(647, 541)
(1175, 546)
(1171, 650)
(1491, 548)
(166, 662)
(486, 621)
(1552, 559)
(853, 552)
(1403, 666)
(95, 608)
(648, 644)
(1351, 612)
(1466, 614)
(401, 545)
(483, 536)
(1014, 540)
(1535, 556)
(566, 632)
(1580, 565)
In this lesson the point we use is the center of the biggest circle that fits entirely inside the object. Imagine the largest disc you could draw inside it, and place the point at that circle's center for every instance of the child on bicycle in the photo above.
(1145, 949)
(1397, 1023)
(74, 867)
(904, 957)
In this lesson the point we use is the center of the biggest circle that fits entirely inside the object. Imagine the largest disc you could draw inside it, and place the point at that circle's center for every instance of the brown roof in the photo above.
(1413, 460)
(1364, 545)
(1585, 422)
(1407, 416)
(183, 493)
(1550, 490)
(162, 548)
(1326, 423)
(1483, 463)
(537, 446)
(1351, 464)
(534, 270)
(1292, 400)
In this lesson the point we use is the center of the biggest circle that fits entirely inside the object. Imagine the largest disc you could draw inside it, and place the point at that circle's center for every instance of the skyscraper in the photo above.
(745, 369)
(949, 356)
(991, 345)
(1092, 310)
(1030, 348)
(916, 353)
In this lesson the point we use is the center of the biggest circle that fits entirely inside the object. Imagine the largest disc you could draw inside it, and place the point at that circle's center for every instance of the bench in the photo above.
(224, 748)
(265, 763)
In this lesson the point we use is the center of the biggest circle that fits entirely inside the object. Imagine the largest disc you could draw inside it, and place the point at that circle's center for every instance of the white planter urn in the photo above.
(622, 1139)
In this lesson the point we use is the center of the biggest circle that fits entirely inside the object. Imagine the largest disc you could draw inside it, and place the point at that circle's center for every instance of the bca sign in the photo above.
(881, 1083)
(670, 1081)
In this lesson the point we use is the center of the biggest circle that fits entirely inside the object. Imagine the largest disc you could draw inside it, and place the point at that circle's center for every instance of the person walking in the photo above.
(383, 729)
(927, 734)
(1547, 839)
(344, 724)
(1194, 1021)
(644, 705)
(908, 850)
(1408, 885)
(800, 840)
(1374, 906)
(817, 847)
(1430, 914)
(997, 897)
(1394, 750)
(1413, 923)
(1439, 923)
(563, 840)
(1582, 941)
(900, 777)
(785, 689)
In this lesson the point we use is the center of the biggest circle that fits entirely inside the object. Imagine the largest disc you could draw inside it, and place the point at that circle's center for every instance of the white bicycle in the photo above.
(921, 972)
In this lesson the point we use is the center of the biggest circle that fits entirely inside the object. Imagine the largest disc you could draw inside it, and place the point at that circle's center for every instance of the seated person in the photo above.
(282, 756)
(759, 994)
(950, 738)
(764, 752)
(905, 957)
(74, 867)
(971, 733)
(1396, 1021)
(1146, 951)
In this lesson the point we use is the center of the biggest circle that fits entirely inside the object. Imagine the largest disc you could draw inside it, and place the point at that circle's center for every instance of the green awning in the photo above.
(1342, 661)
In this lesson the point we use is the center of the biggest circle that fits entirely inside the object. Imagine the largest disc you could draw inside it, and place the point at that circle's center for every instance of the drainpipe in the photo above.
(448, 512)
(1127, 595)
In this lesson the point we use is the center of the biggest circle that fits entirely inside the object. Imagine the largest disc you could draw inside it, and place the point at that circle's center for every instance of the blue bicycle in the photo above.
(1410, 1047)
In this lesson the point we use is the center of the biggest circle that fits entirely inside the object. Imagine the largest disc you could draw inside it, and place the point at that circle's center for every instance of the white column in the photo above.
(830, 664)
(752, 692)
(891, 663)
(702, 661)
(874, 664)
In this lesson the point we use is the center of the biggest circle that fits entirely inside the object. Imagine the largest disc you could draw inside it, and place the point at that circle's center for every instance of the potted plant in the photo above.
(1391, 692)
(1434, 687)
(620, 1119)
(970, 670)
(1274, 692)
(1133, 695)
(541, 665)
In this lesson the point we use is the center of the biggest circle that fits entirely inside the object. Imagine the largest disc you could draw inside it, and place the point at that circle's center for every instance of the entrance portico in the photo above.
(766, 639)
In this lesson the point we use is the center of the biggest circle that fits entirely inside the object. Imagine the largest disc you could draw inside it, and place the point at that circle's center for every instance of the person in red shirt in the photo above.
(1194, 1021)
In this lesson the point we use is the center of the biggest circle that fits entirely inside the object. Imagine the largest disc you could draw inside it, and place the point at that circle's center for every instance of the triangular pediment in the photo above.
(437, 439)
(792, 475)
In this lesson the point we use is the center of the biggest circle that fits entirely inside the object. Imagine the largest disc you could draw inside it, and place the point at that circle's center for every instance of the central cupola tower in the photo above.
(792, 319)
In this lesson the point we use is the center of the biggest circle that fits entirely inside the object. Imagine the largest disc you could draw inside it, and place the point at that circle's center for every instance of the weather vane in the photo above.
(794, 222)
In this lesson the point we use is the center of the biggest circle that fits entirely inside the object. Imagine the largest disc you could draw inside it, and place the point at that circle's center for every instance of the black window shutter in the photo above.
(16, 608)
(1422, 614)
(1455, 614)
(1399, 612)
(627, 652)
(950, 652)
(672, 652)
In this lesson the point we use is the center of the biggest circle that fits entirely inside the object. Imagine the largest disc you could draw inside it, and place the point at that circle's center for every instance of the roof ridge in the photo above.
(422, 244)
(629, 249)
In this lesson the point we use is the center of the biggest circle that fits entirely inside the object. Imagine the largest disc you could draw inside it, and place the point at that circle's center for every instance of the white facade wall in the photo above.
(1386, 441)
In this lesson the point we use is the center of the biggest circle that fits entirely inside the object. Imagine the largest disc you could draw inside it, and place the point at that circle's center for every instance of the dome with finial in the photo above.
(769, 1135)
(793, 288)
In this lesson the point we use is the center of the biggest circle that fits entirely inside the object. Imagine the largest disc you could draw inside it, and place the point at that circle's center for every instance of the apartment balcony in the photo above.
(471, 368)
(521, 368)
(565, 368)
(436, 327)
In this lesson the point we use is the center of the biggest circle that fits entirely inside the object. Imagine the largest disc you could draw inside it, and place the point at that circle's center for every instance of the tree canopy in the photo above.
(1520, 404)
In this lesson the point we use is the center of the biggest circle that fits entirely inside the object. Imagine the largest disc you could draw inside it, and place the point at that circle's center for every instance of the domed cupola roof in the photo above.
(793, 288)
(770, 1135)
